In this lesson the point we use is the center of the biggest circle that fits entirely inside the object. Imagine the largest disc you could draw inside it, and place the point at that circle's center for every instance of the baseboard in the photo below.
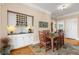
(19, 48)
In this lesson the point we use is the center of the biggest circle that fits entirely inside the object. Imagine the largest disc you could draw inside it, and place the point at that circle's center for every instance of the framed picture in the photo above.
(61, 26)
(43, 24)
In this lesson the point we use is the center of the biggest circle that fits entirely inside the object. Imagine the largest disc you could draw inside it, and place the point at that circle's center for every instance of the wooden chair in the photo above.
(55, 43)
(58, 41)
(45, 41)
(61, 37)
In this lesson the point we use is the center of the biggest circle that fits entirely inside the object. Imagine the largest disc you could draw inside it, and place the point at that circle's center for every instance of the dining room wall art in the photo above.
(43, 24)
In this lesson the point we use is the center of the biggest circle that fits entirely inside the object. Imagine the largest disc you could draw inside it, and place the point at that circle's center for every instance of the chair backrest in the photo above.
(61, 35)
(46, 32)
(44, 35)
(41, 36)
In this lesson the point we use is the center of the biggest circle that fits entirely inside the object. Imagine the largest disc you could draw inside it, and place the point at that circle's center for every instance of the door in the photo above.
(51, 26)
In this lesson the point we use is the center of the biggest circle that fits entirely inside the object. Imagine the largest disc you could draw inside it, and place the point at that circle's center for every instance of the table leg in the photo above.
(52, 44)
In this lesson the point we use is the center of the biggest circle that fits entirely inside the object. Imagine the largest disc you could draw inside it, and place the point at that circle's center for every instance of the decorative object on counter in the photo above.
(30, 29)
(11, 29)
(43, 24)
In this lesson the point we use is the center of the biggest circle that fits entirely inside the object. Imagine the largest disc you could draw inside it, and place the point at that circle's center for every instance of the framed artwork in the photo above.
(60, 26)
(43, 24)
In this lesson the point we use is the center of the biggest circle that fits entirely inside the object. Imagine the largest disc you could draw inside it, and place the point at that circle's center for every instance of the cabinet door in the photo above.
(13, 41)
(26, 39)
(20, 41)
(32, 38)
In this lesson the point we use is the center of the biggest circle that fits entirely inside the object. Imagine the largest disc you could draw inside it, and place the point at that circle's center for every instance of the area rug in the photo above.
(67, 50)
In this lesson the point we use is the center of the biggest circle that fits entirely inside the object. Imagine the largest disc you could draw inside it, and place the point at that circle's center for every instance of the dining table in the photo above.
(52, 37)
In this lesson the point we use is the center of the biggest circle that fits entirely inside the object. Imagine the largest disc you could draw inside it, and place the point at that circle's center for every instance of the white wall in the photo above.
(3, 21)
(0, 27)
(54, 25)
(0, 20)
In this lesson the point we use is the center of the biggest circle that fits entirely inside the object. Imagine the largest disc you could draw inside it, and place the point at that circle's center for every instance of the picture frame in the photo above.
(43, 24)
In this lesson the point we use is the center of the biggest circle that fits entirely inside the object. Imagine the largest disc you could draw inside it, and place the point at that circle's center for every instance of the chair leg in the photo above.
(53, 50)
(40, 45)
(45, 48)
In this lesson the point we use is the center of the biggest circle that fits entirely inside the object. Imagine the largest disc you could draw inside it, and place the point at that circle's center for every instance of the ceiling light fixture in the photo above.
(63, 6)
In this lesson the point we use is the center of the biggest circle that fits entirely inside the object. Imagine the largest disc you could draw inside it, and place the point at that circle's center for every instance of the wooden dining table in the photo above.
(52, 41)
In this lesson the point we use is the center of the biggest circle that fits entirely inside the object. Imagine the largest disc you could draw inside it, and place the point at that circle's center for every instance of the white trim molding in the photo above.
(68, 15)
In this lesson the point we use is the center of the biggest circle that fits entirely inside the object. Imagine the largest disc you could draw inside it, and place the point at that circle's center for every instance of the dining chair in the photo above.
(45, 41)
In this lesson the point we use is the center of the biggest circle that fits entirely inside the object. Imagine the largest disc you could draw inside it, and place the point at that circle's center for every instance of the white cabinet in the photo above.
(21, 40)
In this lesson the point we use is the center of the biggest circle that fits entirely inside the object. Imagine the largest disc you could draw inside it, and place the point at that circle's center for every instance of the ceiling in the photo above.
(52, 8)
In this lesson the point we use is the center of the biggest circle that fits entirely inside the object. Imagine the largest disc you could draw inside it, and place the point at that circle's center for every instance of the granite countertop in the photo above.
(19, 33)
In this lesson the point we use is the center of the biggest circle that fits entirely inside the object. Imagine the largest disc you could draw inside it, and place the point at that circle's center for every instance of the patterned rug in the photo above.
(67, 50)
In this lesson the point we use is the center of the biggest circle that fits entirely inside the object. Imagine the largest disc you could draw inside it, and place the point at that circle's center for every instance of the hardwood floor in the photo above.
(22, 51)
(71, 41)
(29, 51)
